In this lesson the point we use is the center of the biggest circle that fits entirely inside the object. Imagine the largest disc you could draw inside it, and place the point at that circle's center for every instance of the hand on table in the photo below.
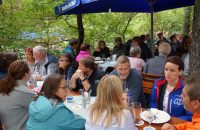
(168, 126)
(38, 77)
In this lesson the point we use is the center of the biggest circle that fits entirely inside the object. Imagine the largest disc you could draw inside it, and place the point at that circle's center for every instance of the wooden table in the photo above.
(173, 120)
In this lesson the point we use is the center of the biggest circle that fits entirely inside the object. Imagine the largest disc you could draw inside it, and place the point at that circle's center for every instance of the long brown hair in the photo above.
(109, 100)
(50, 86)
(16, 71)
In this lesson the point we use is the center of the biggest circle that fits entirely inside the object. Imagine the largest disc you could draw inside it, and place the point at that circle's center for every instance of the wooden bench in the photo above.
(147, 82)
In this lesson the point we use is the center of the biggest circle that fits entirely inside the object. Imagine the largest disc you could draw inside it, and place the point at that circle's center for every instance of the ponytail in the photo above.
(7, 85)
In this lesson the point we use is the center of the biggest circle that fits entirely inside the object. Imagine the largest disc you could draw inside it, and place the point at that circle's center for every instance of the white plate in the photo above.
(99, 62)
(161, 116)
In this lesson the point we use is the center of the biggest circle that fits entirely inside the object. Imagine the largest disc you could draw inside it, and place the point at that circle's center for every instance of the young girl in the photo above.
(108, 111)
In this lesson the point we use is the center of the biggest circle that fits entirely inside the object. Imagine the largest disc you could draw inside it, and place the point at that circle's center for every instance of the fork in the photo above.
(154, 115)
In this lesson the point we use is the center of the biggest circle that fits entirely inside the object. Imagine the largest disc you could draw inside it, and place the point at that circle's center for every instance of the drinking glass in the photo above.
(137, 109)
(149, 117)
(114, 56)
(84, 101)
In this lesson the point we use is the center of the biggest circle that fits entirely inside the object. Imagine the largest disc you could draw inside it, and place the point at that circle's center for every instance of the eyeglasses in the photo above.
(65, 87)
(63, 60)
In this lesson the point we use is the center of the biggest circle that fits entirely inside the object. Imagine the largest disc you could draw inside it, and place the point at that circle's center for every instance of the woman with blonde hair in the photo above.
(108, 111)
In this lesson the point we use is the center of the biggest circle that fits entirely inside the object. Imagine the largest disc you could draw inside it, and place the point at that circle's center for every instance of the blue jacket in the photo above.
(70, 71)
(51, 115)
(175, 104)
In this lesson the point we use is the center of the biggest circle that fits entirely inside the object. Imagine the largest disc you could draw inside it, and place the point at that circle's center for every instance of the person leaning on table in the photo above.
(191, 101)
(48, 112)
(87, 76)
(108, 111)
(15, 97)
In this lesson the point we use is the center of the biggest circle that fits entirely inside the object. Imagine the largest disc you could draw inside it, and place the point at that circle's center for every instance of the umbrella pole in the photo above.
(152, 30)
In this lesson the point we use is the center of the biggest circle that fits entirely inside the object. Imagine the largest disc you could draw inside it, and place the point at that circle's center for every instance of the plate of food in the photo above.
(159, 116)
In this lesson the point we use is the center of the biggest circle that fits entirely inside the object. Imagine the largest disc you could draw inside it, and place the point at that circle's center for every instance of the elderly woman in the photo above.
(135, 60)
(6, 58)
(166, 91)
(15, 97)
(48, 112)
(108, 111)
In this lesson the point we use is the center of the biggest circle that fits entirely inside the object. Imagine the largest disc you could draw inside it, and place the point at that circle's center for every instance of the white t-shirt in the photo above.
(127, 123)
(165, 101)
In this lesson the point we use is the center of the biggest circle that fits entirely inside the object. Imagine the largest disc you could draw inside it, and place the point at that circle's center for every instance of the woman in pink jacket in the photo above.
(84, 52)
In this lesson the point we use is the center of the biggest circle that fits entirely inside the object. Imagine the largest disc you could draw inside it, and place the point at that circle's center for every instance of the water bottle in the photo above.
(129, 97)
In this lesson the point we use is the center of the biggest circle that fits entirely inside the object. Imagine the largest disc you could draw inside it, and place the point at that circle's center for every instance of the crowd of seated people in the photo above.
(81, 72)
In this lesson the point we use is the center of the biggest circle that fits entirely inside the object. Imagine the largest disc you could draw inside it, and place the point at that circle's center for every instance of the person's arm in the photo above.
(86, 84)
(25, 99)
(167, 126)
(67, 120)
(136, 85)
(186, 116)
(73, 80)
(79, 74)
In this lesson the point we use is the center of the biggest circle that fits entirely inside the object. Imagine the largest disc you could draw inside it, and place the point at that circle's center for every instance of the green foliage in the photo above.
(37, 17)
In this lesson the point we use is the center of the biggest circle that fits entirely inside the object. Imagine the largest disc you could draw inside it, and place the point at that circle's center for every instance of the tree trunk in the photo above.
(187, 20)
(80, 31)
(195, 50)
(80, 28)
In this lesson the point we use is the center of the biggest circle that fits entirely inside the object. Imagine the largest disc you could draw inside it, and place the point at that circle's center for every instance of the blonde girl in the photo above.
(108, 111)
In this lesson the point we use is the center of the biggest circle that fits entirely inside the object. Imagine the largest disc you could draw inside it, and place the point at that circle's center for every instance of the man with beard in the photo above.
(131, 79)
(87, 76)
(45, 65)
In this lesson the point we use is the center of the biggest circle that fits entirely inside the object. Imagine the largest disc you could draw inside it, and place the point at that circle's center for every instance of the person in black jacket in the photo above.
(102, 50)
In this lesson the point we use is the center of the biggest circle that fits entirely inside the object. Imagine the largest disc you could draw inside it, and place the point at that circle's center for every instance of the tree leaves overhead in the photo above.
(24, 22)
